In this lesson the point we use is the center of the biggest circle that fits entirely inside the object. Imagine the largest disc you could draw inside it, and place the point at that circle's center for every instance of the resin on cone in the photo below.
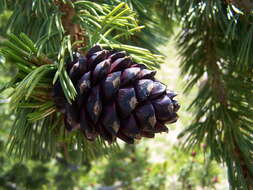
(117, 98)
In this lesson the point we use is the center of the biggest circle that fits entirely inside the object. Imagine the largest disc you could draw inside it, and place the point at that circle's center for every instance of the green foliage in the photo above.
(128, 168)
(105, 25)
(214, 43)
(198, 172)
(125, 170)
(131, 168)
(55, 174)
(156, 30)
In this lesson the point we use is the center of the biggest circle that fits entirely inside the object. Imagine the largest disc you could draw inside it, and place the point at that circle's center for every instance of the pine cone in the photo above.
(116, 98)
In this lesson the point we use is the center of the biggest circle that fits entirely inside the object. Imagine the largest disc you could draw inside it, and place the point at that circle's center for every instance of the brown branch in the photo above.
(215, 74)
(245, 170)
(71, 28)
(245, 5)
(218, 85)
(43, 60)
(74, 30)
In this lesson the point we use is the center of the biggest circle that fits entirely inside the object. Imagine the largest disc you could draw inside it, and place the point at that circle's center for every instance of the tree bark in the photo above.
(218, 85)
(71, 28)
(245, 5)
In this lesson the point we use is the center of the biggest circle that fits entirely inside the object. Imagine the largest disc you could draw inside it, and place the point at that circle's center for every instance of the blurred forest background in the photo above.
(162, 163)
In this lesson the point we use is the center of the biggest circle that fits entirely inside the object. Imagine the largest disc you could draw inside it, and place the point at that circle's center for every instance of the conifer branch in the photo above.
(245, 5)
(71, 28)
(245, 169)
(215, 76)
(223, 110)
(218, 85)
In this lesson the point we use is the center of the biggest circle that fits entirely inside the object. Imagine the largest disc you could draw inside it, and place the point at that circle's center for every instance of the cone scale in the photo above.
(117, 98)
